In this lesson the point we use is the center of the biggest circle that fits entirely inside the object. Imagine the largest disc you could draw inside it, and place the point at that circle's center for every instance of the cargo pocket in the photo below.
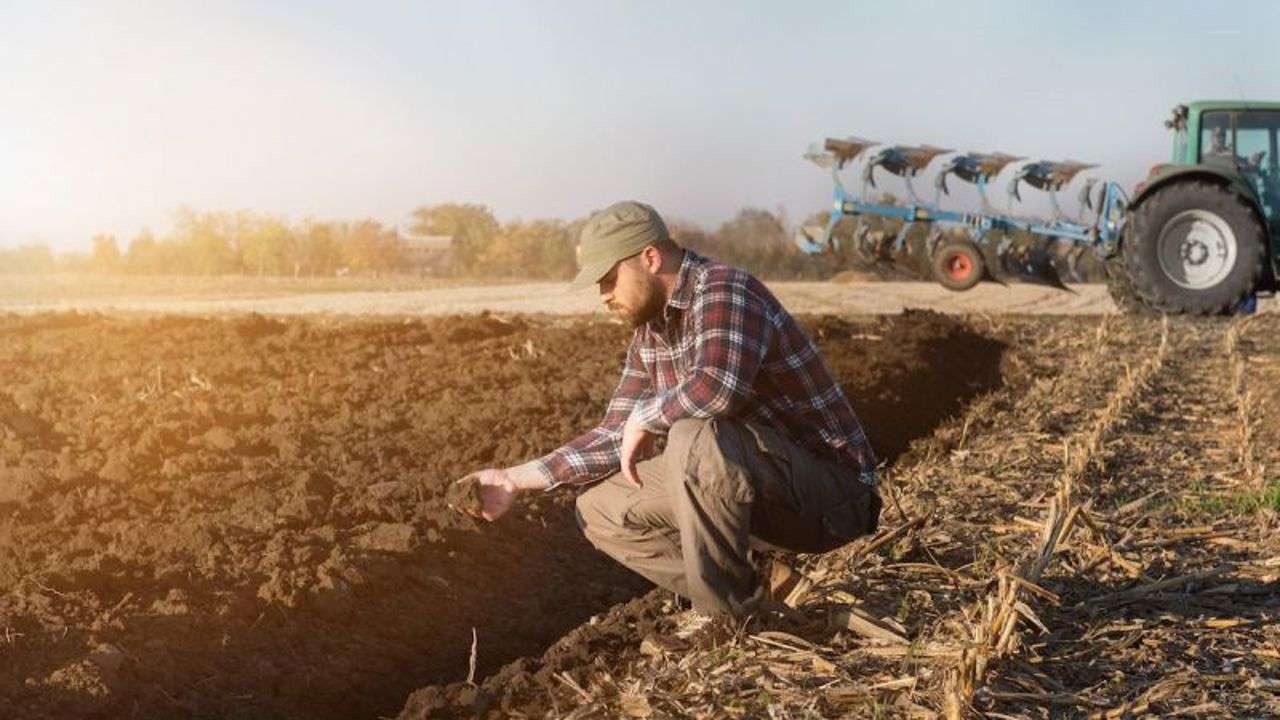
(857, 515)
(771, 466)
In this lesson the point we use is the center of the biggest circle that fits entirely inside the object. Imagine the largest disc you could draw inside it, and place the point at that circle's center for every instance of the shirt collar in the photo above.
(682, 293)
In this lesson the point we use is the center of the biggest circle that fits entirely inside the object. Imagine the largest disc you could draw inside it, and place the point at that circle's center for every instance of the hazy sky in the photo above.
(114, 114)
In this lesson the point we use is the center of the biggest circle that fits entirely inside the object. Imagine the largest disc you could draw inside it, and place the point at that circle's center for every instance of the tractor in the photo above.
(1199, 236)
(1202, 234)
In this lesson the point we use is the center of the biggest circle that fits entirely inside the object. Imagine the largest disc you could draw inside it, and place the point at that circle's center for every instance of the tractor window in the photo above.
(1252, 147)
(1215, 139)
(1256, 154)
(1256, 140)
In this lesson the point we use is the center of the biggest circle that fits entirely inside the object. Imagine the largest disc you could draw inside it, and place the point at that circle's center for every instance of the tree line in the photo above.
(476, 245)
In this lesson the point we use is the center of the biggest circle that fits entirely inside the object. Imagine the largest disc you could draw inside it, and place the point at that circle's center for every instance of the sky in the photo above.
(115, 114)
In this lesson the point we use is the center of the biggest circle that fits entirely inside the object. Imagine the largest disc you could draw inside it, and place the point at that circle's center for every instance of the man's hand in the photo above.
(497, 489)
(637, 444)
(497, 493)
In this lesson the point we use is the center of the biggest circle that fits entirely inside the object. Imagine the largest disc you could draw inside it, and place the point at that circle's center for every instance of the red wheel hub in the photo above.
(959, 266)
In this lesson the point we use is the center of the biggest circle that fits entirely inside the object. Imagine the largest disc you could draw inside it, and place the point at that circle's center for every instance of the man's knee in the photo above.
(592, 520)
(601, 511)
(587, 510)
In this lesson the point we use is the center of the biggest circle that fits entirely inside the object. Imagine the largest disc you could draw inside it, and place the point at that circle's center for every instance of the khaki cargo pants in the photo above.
(720, 489)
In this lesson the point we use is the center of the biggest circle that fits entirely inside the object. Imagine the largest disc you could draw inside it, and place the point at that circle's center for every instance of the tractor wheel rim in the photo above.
(959, 266)
(1196, 249)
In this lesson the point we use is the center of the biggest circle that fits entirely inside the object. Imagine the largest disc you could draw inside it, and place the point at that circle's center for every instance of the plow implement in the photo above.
(959, 247)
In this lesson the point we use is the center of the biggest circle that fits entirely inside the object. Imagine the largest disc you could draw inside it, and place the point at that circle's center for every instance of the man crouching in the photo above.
(762, 448)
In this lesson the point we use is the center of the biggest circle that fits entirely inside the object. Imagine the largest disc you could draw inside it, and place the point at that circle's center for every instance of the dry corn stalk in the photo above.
(1246, 418)
(994, 629)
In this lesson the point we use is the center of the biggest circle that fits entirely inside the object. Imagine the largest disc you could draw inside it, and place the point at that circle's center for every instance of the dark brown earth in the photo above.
(249, 517)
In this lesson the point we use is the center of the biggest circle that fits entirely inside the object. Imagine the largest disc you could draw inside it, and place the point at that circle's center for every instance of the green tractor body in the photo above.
(1203, 232)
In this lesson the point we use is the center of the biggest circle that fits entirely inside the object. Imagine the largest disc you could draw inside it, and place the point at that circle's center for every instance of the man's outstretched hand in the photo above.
(637, 444)
(488, 494)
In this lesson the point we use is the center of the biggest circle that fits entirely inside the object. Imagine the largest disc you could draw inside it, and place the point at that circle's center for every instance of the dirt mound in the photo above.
(905, 373)
(247, 517)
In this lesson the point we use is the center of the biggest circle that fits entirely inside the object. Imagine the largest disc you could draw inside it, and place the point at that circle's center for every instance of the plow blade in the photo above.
(848, 148)
(974, 168)
(1030, 262)
(901, 160)
(1047, 175)
(874, 250)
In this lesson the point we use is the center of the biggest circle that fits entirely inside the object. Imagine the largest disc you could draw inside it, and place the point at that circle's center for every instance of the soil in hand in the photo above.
(465, 496)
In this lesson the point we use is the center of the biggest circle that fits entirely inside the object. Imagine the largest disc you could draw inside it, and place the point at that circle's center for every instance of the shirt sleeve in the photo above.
(731, 331)
(597, 452)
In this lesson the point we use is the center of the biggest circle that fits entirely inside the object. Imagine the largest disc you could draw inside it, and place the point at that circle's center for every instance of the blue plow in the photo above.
(959, 248)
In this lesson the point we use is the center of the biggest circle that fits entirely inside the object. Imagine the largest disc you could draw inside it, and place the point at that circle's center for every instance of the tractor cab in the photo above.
(1239, 139)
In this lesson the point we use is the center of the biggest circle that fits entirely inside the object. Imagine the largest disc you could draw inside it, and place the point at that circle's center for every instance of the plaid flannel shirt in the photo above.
(725, 347)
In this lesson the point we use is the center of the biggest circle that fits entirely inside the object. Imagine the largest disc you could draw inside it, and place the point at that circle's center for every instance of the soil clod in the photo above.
(466, 496)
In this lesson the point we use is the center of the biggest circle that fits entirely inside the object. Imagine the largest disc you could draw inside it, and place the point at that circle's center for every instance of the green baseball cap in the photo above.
(615, 233)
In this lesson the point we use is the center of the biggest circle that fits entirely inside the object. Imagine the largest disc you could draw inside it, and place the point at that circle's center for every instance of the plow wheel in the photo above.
(958, 264)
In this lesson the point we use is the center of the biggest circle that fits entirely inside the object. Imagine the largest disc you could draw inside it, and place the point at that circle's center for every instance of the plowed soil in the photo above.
(246, 517)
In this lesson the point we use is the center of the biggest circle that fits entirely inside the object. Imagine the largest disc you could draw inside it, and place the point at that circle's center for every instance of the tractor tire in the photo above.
(1195, 248)
(1120, 288)
(958, 264)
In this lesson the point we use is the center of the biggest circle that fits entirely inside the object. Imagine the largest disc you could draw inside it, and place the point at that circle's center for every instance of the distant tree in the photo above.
(574, 229)
(27, 260)
(319, 249)
(756, 240)
(144, 255)
(536, 249)
(74, 262)
(368, 247)
(453, 219)
(754, 228)
(267, 245)
(690, 235)
(105, 257)
(471, 226)
(216, 242)
(204, 243)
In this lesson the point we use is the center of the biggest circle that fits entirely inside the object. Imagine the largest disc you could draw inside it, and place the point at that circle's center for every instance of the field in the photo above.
(243, 516)
(413, 297)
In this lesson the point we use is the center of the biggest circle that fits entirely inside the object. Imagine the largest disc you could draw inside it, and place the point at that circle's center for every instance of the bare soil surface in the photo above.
(248, 517)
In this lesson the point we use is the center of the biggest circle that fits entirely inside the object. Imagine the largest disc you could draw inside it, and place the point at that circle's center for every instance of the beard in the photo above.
(650, 308)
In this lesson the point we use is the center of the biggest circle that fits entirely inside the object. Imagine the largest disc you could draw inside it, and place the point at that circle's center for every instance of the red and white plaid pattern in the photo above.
(725, 348)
